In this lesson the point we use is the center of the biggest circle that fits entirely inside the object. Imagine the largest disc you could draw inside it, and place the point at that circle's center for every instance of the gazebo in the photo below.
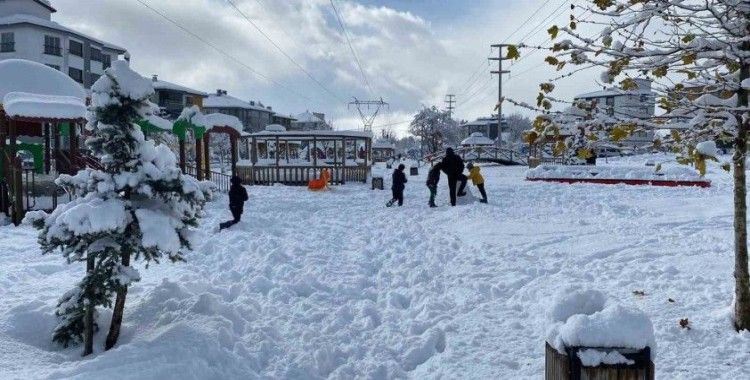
(383, 150)
(42, 112)
(295, 157)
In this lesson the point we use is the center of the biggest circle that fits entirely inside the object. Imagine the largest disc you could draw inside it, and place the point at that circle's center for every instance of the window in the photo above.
(76, 74)
(96, 55)
(76, 48)
(106, 61)
(610, 100)
(52, 45)
(644, 98)
(93, 78)
(7, 42)
(56, 67)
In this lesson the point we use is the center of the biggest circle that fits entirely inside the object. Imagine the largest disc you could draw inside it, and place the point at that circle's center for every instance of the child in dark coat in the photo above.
(237, 198)
(433, 177)
(399, 184)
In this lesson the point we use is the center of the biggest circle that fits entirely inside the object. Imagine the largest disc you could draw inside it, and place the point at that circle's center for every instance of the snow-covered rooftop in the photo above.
(20, 75)
(314, 133)
(218, 120)
(22, 104)
(29, 19)
(164, 85)
(228, 101)
(308, 117)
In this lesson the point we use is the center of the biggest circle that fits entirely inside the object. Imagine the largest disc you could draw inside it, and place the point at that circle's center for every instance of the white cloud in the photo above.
(409, 60)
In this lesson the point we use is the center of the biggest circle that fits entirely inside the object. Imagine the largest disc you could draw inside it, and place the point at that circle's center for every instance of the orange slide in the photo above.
(321, 183)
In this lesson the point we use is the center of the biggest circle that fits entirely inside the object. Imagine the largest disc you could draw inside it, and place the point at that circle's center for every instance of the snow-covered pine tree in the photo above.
(139, 206)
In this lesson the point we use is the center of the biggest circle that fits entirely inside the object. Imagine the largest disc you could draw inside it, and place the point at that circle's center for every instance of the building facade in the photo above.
(639, 103)
(487, 126)
(173, 98)
(28, 32)
(253, 115)
(284, 120)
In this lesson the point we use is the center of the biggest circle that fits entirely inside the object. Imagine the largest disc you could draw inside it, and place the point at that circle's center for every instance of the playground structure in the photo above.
(193, 130)
(296, 157)
(41, 123)
(482, 153)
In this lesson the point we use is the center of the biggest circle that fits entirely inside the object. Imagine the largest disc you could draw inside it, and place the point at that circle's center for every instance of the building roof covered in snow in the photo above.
(164, 85)
(228, 101)
(308, 117)
(33, 20)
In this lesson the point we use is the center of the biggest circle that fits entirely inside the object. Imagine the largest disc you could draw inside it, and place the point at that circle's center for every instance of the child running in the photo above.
(237, 198)
(477, 180)
(398, 186)
(433, 177)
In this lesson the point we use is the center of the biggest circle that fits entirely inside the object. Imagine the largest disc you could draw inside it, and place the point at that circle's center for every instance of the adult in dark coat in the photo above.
(237, 198)
(398, 186)
(453, 167)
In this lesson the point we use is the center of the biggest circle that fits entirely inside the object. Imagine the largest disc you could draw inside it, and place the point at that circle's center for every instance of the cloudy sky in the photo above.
(412, 52)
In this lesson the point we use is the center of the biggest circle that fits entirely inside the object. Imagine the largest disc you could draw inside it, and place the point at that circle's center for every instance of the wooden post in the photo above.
(47, 163)
(343, 161)
(182, 154)
(335, 160)
(73, 136)
(234, 146)
(207, 153)
(15, 175)
(286, 145)
(199, 159)
(315, 151)
(56, 150)
(276, 154)
(254, 152)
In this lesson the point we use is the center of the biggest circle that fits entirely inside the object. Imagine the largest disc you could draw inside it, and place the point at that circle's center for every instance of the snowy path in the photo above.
(335, 285)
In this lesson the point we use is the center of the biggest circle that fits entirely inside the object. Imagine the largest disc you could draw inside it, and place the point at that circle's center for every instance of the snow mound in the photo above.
(584, 318)
(707, 148)
(24, 104)
(593, 358)
(675, 173)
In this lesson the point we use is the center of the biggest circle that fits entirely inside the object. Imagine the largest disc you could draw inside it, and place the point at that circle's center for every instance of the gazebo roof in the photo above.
(33, 90)
(308, 135)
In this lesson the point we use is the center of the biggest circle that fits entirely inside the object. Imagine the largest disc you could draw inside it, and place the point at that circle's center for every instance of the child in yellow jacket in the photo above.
(477, 179)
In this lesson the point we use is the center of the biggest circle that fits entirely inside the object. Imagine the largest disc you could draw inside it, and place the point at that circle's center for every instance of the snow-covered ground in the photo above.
(335, 285)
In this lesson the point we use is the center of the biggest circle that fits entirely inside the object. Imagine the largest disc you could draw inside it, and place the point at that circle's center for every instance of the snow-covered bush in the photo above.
(139, 206)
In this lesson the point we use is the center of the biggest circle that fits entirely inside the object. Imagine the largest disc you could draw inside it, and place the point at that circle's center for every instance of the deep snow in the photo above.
(333, 284)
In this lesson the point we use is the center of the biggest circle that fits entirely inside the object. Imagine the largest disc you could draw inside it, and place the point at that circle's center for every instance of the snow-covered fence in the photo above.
(300, 175)
(594, 338)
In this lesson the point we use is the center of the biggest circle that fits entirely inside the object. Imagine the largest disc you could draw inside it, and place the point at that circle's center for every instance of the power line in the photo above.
(527, 20)
(221, 51)
(282, 51)
(351, 47)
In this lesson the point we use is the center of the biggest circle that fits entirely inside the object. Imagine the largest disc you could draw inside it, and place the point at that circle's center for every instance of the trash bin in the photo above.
(377, 183)
(414, 170)
(591, 337)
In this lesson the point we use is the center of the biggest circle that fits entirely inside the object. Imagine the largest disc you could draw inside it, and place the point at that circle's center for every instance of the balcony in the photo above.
(52, 50)
(7, 47)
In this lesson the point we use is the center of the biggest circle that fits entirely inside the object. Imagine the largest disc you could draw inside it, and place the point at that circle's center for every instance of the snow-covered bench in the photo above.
(611, 175)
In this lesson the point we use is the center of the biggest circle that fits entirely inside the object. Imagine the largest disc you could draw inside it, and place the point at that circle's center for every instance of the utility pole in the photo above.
(499, 73)
(450, 100)
(366, 113)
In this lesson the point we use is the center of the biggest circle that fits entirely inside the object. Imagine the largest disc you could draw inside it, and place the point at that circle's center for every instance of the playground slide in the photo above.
(320, 183)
